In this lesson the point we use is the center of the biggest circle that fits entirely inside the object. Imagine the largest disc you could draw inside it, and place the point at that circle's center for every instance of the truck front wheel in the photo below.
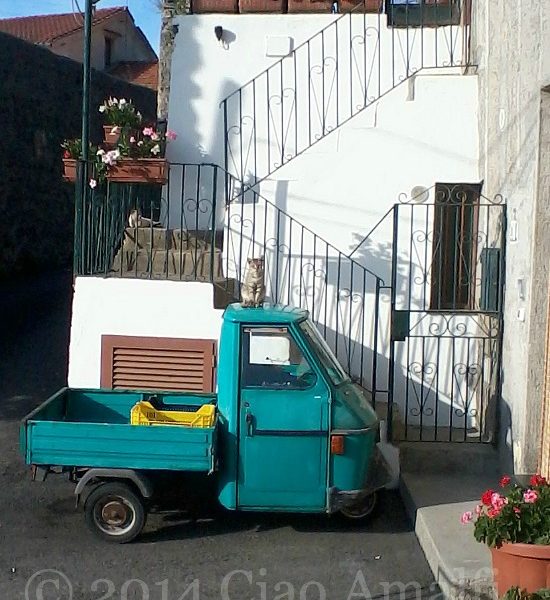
(115, 513)
(362, 509)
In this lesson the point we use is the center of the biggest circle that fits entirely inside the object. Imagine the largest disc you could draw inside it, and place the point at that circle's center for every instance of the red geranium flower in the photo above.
(486, 497)
(493, 512)
(538, 480)
(505, 480)
(66, 154)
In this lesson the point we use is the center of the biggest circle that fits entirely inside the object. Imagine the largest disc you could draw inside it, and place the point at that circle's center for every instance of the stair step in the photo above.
(448, 458)
(159, 238)
(201, 264)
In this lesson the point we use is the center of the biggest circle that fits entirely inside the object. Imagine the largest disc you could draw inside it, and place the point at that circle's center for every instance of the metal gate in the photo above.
(446, 315)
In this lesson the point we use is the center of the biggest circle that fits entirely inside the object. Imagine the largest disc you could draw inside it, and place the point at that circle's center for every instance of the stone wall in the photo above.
(511, 47)
(40, 105)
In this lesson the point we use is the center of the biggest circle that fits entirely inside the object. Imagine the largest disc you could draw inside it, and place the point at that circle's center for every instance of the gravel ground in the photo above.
(46, 552)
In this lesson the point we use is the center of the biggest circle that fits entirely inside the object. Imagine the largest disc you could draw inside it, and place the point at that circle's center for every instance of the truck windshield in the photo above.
(324, 353)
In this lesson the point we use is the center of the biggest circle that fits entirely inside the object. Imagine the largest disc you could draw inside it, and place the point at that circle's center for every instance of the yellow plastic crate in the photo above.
(143, 413)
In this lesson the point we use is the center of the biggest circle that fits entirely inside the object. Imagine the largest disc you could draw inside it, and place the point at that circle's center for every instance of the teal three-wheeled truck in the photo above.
(290, 432)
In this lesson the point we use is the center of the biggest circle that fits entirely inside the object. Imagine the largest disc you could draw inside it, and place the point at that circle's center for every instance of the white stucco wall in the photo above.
(134, 307)
(424, 131)
(511, 45)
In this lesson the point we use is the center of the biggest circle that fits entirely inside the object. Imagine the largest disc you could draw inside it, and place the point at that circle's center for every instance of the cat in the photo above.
(136, 220)
(253, 286)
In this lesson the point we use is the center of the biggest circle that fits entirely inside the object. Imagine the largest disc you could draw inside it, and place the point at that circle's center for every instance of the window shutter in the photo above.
(150, 363)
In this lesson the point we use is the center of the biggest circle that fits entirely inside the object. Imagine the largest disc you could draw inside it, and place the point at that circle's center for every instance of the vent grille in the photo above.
(172, 364)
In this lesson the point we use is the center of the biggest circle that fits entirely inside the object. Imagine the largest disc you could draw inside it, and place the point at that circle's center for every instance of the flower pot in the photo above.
(111, 138)
(69, 169)
(139, 170)
(307, 6)
(524, 565)
(358, 6)
(214, 6)
(262, 6)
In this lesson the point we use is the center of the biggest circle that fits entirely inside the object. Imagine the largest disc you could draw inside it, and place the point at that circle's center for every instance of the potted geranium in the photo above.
(515, 524)
(140, 157)
(122, 119)
(72, 152)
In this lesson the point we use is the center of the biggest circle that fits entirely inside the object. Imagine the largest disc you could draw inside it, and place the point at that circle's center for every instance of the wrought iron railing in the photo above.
(334, 75)
(204, 226)
(152, 232)
(303, 269)
(446, 266)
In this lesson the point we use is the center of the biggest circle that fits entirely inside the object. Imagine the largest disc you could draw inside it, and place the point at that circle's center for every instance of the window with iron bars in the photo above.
(454, 248)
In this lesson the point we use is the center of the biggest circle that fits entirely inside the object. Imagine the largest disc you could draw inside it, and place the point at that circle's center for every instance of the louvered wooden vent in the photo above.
(150, 363)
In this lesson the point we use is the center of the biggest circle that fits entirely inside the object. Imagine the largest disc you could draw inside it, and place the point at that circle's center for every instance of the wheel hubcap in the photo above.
(114, 515)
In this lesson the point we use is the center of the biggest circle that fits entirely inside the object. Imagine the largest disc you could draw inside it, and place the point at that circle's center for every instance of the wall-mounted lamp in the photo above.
(218, 32)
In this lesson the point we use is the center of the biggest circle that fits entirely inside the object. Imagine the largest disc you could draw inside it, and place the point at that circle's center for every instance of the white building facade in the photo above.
(350, 152)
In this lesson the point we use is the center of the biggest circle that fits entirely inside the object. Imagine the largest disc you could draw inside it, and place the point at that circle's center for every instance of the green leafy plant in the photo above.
(517, 515)
(72, 148)
(516, 593)
(148, 143)
(120, 113)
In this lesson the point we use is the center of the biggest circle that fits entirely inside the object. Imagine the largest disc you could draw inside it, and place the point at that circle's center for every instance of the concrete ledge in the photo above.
(461, 566)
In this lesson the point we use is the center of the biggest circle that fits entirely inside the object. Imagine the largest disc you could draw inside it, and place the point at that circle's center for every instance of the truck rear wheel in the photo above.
(115, 512)
(362, 509)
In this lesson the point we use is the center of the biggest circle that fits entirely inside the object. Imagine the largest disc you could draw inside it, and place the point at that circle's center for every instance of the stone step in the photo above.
(186, 264)
(467, 458)
(226, 292)
(158, 238)
(435, 503)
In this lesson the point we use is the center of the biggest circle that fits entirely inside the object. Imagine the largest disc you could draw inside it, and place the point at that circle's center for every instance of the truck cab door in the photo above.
(283, 418)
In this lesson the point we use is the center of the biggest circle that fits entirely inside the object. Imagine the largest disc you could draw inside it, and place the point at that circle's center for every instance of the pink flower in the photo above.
(530, 496)
(493, 512)
(92, 183)
(479, 509)
(171, 135)
(498, 501)
(466, 517)
(155, 137)
(148, 131)
(517, 510)
(132, 139)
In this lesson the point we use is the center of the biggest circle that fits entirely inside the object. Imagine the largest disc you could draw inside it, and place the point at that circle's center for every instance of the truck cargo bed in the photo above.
(91, 428)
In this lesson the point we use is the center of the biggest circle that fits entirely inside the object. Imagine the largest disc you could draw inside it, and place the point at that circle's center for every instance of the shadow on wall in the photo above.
(39, 107)
(192, 145)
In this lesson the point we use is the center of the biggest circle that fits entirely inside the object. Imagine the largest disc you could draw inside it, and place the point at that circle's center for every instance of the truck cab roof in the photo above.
(267, 314)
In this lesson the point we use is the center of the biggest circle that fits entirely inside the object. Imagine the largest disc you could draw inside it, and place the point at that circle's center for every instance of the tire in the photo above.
(362, 510)
(115, 512)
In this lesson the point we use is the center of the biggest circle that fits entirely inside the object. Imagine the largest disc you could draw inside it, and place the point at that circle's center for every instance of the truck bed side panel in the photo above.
(120, 446)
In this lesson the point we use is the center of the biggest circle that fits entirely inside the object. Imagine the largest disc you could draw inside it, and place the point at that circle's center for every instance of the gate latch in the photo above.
(400, 325)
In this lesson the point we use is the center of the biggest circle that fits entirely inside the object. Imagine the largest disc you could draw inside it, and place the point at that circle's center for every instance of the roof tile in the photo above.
(42, 29)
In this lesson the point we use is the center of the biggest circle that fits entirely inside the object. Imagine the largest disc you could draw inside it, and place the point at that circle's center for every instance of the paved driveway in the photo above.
(46, 552)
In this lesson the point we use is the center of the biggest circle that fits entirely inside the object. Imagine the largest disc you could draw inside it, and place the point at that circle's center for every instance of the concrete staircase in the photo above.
(177, 255)
(439, 482)
(167, 254)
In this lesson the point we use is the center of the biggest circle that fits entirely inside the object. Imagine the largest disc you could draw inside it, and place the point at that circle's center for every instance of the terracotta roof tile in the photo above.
(140, 73)
(42, 29)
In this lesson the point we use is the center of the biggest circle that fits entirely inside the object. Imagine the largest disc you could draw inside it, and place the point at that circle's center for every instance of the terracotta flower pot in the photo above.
(69, 169)
(358, 6)
(109, 136)
(262, 6)
(524, 565)
(139, 170)
(215, 6)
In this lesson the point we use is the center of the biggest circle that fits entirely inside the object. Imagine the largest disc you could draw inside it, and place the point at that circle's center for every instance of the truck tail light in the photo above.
(337, 444)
